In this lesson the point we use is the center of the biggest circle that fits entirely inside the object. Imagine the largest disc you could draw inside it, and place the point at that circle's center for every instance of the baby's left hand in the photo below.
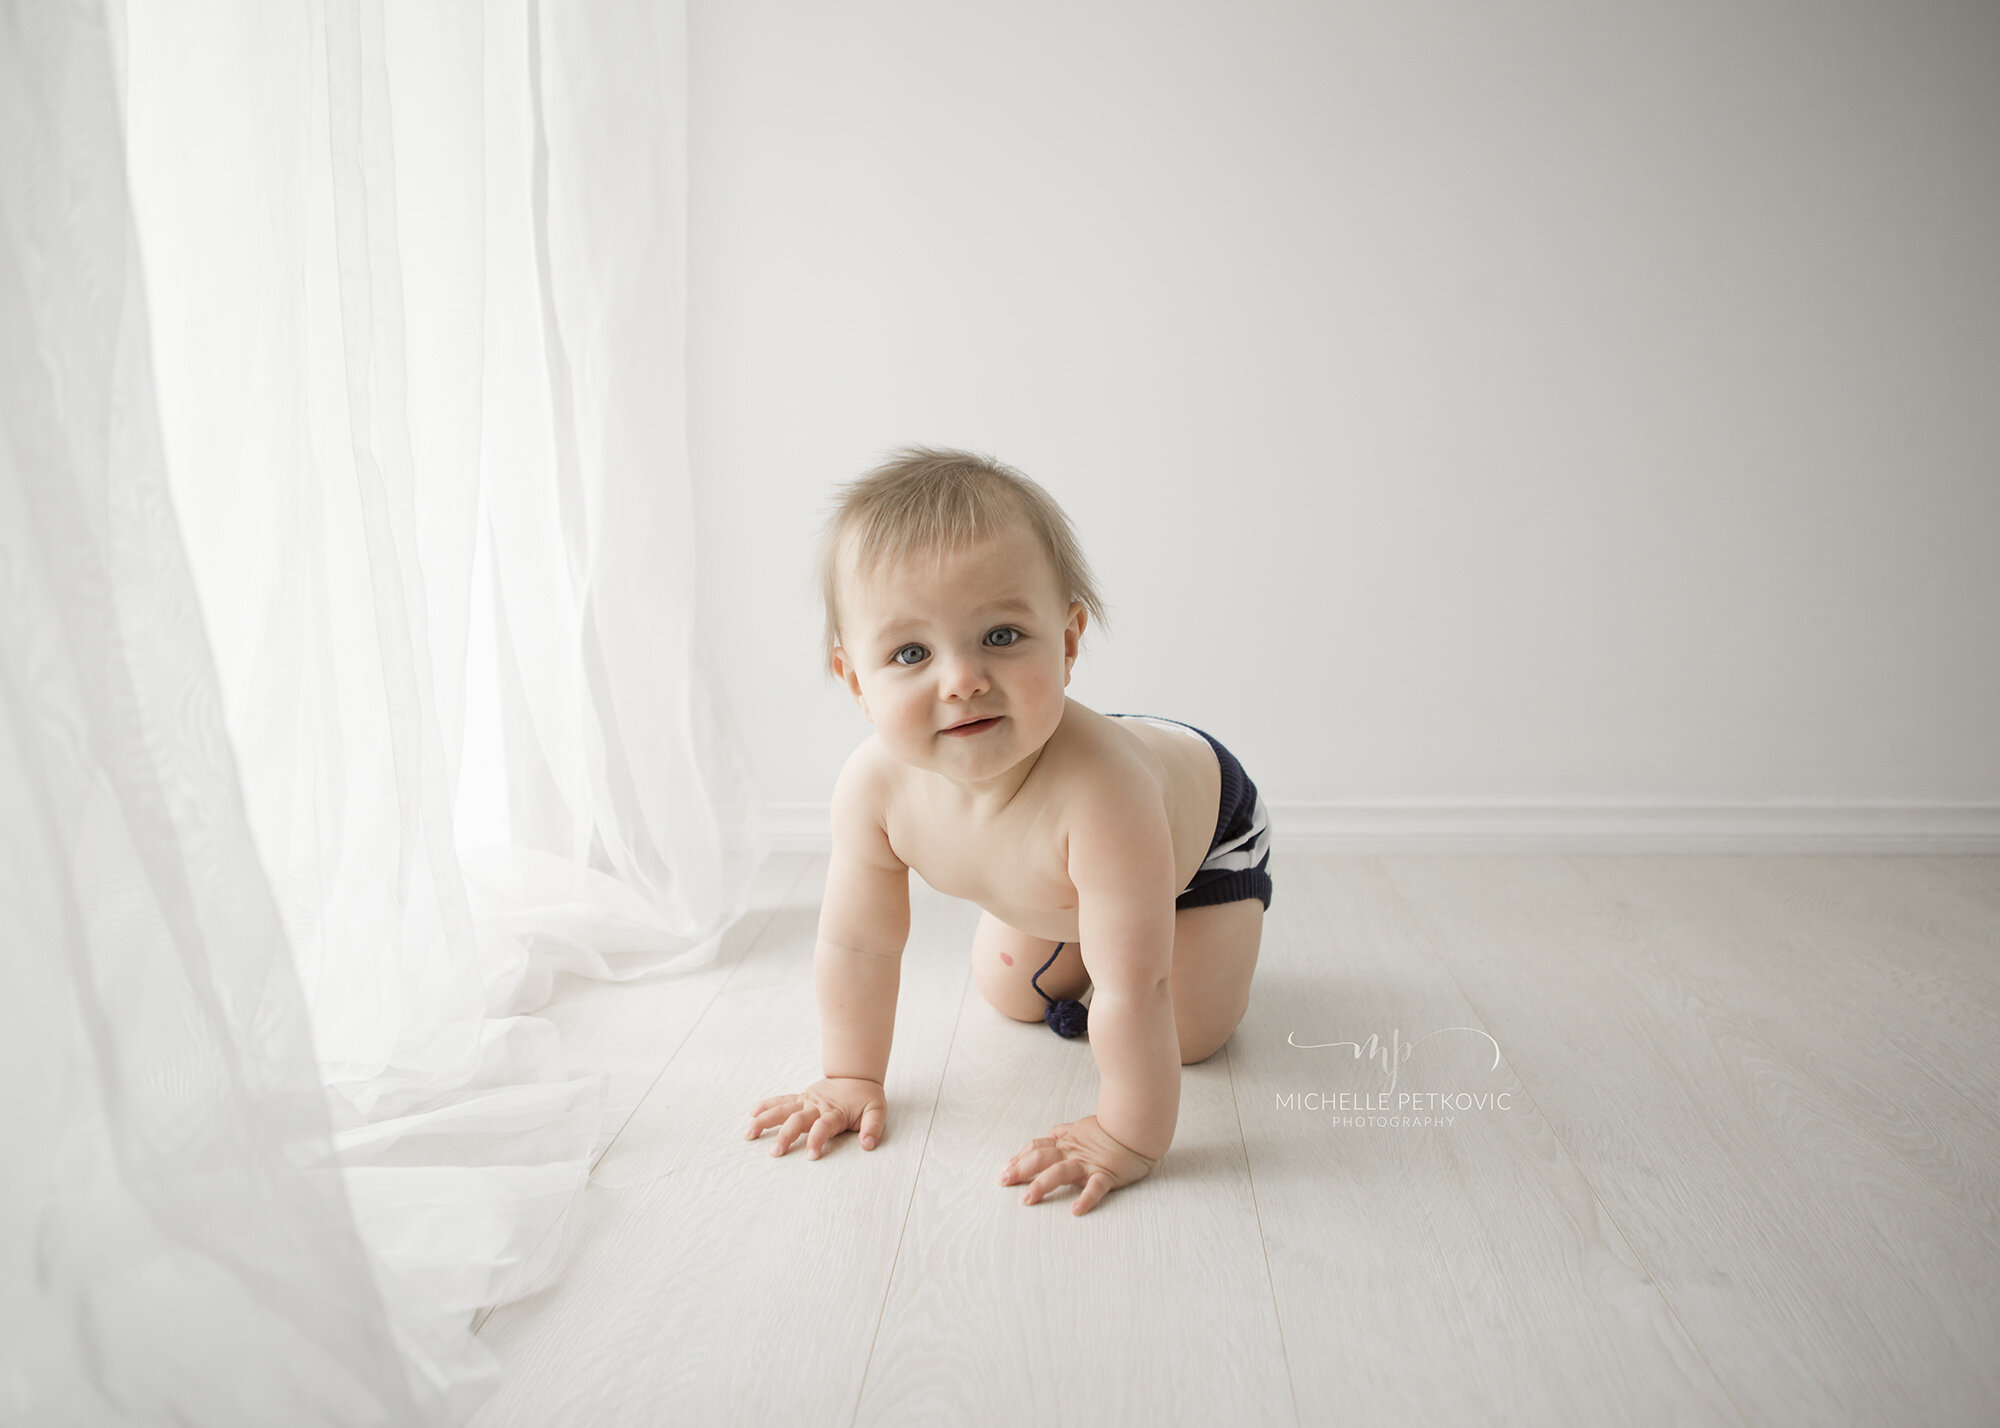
(1076, 1153)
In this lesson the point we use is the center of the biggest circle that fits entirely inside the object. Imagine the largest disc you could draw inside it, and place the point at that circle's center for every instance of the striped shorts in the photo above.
(1238, 864)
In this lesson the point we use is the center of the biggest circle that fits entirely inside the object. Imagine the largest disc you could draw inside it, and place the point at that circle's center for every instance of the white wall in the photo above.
(1471, 409)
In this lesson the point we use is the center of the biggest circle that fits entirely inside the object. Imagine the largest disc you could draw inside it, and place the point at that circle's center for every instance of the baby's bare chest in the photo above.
(1013, 867)
(1014, 864)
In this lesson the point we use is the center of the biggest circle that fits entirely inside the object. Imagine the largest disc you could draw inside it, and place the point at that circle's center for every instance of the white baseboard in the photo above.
(1889, 828)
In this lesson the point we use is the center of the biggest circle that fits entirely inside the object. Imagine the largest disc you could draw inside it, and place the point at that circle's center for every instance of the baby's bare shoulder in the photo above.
(1102, 775)
(861, 799)
(1114, 831)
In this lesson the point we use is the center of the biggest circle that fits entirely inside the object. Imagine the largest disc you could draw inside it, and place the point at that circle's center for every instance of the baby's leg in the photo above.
(1005, 961)
(1215, 953)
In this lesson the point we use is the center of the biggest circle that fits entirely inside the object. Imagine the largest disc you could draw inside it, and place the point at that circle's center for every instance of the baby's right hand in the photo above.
(822, 1111)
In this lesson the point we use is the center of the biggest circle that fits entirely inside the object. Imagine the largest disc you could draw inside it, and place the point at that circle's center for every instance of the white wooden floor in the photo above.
(1746, 1170)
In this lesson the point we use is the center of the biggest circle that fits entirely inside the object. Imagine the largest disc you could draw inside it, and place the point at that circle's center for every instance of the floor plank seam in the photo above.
(770, 915)
(1591, 1185)
(1890, 1151)
(1861, 1129)
(902, 1231)
(1256, 1212)
(1865, 1131)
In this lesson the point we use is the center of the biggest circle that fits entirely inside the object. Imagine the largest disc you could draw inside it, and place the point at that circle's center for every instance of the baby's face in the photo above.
(987, 635)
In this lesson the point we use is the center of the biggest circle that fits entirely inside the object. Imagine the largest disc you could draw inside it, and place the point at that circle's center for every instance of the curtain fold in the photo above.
(175, 1244)
(353, 687)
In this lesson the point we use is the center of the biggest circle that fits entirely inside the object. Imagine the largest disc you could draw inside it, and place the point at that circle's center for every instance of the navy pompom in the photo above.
(1066, 1017)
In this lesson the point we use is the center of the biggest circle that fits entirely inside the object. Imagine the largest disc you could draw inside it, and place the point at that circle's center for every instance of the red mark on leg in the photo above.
(1005, 958)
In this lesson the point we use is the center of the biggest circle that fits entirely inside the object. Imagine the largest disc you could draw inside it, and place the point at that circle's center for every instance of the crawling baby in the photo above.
(1120, 856)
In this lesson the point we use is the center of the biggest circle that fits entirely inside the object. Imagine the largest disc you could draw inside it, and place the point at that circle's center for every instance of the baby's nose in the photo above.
(962, 676)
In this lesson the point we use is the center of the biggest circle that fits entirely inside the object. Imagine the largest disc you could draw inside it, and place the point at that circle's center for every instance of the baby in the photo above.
(1114, 854)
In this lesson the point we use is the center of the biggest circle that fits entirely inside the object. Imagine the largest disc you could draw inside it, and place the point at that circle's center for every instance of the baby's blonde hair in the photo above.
(931, 501)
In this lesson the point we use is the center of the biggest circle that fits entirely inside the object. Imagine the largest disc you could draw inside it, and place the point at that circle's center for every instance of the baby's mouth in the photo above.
(975, 726)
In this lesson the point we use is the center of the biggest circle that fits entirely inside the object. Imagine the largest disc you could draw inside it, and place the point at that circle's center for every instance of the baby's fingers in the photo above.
(829, 1125)
(1030, 1162)
(767, 1113)
(795, 1125)
(1066, 1172)
(1038, 1143)
(872, 1122)
(1095, 1190)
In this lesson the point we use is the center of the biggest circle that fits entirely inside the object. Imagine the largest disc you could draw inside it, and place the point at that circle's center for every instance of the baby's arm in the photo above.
(1121, 860)
(864, 920)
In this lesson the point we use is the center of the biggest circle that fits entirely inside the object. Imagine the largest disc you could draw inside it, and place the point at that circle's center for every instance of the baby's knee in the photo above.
(1005, 997)
(1193, 1054)
(1202, 1036)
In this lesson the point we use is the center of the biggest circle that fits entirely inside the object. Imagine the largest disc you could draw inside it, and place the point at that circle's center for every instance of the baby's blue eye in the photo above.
(1014, 637)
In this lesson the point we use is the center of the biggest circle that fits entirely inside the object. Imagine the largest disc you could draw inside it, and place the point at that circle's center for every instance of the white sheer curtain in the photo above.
(351, 682)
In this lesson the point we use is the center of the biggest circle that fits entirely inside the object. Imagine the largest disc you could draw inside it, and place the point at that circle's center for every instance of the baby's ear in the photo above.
(845, 673)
